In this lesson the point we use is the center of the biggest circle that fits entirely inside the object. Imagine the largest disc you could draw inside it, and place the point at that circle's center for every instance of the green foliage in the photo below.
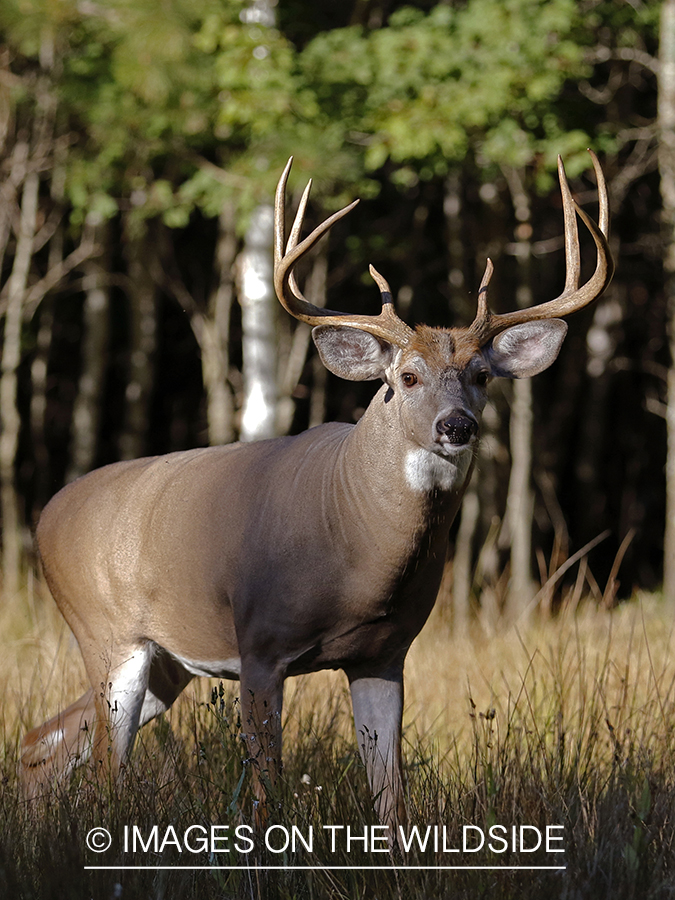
(149, 90)
(147, 87)
(427, 89)
(623, 24)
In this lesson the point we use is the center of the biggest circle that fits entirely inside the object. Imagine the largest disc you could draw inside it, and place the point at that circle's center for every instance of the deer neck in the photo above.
(391, 482)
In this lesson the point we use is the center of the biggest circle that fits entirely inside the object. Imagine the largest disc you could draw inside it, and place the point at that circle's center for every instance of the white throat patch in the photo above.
(426, 471)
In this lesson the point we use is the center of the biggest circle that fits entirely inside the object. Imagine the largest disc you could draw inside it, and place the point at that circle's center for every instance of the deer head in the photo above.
(438, 377)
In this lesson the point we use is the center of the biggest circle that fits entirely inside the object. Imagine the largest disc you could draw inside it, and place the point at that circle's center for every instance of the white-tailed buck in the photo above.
(320, 551)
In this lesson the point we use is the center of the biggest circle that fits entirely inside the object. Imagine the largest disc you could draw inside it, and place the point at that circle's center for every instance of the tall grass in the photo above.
(567, 724)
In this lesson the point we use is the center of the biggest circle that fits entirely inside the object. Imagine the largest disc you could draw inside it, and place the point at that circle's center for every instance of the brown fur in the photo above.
(441, 347)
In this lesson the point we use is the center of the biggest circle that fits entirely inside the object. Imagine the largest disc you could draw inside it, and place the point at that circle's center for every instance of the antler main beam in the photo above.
(386, 325)
(487, 325)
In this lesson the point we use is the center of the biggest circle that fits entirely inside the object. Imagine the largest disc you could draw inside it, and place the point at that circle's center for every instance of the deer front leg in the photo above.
(377, 702)
(261, 704)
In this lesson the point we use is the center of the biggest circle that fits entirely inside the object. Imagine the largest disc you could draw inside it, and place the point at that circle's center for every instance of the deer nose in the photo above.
(457, 429)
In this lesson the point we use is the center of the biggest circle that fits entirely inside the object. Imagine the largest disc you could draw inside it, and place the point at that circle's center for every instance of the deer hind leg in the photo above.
(144, 684)
(166, 680)
(51, 751)
(119, 695)
(378, 709)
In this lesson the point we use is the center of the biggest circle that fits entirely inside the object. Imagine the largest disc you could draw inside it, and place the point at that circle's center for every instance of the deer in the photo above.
(322, 550)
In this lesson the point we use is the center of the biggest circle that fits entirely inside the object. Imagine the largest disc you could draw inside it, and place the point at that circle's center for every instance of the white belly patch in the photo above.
(226, 668)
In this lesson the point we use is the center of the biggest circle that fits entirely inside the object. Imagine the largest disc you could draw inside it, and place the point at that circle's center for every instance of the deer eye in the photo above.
(482, 378)
(409, 379)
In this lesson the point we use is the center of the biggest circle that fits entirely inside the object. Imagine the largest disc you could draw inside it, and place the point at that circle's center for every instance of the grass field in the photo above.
(566, 725)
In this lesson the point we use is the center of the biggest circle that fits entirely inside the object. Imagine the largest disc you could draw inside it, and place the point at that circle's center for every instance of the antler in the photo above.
(486, 324)
(386, 325)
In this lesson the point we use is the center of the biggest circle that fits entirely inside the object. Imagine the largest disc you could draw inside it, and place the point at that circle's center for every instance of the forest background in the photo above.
(140, 144)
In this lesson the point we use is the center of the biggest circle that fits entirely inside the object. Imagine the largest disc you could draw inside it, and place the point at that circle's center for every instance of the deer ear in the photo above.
(526, 349)
(351, 353)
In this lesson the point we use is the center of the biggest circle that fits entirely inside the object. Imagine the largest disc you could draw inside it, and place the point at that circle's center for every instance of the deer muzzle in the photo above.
(456, 429)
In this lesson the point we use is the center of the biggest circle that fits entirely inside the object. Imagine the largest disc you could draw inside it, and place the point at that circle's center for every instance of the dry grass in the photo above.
(567, 723)
(624, 658)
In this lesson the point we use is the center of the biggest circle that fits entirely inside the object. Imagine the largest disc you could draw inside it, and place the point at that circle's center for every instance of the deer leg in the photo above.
(119, 694)
(166, 681)
(52, 750)
(261, 704)
(377, 702)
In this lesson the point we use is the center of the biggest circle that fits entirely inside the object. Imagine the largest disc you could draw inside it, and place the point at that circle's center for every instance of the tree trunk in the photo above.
(666, 124)
(259, 306)
(17, 173)
(462, 564)
(317, 398)
(38, 406)
(95, 334)
(259, 310)
(520, 499)
(601, 345)
(10, 420)
(43, 344)
(215, 336)
(143, 339)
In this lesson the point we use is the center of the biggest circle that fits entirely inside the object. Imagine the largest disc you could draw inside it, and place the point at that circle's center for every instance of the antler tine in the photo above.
(483, 309)
(386, 325)
(284, 262)
(481, 324)
(383, 284)
(294, 236)
(603, 197)
(280, 214)
(572, 250)
(486, 325)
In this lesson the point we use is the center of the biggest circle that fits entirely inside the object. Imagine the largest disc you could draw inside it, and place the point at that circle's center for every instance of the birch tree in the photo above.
(257, 296)
(12, 525)
(259, 334)
(214, 334)
(520, 497)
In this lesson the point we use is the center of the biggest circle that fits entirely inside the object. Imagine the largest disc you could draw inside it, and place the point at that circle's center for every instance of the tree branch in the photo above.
(56, 274)
(625, 54)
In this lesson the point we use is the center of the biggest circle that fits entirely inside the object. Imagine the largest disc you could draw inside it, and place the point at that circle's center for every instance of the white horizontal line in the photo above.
(327, 868)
